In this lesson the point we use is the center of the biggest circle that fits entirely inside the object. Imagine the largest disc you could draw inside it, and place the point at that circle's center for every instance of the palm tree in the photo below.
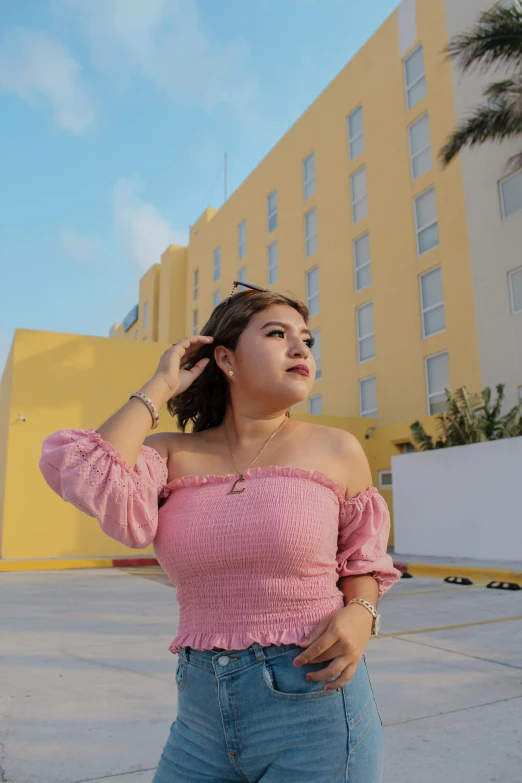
(496, 39)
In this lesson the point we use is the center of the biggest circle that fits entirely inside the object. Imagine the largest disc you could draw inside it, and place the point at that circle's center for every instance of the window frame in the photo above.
(308, 238)
(366, 263)
(502, 202)
(517, 271)
(271, 213)
(271, 265)
(425, 115)
(407, 88)
(315, 397)
(145, 315)
(426, 381)
(351, 140)
(307, 182)
(372, 334)
(353, 201)
(241, 241)
(428, 225)
(371, 413)
(424, 310)
(195, 284)
(217, 264)
(314, 296)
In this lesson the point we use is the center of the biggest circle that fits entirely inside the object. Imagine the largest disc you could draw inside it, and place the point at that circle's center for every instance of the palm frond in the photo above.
(495, 39)
(484, 124)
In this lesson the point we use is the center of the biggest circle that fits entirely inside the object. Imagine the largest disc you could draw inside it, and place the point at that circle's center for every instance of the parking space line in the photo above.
(435, 590)
(448, 627)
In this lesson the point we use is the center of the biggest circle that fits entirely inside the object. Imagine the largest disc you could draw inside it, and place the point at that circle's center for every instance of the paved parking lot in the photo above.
(87, 687)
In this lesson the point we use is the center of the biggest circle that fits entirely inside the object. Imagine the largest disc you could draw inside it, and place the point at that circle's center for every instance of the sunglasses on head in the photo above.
(252, 287)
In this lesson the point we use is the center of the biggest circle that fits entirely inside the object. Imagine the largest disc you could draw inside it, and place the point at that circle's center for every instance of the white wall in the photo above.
(495, 243)
(464, 501)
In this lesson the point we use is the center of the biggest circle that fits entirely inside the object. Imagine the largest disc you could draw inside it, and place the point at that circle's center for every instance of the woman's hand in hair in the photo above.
(171, 364)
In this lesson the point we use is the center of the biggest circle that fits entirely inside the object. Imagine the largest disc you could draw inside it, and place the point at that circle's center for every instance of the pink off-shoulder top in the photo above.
(257, 566)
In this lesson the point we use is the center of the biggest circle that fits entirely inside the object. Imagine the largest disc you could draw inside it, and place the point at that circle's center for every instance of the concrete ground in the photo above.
(88, 693)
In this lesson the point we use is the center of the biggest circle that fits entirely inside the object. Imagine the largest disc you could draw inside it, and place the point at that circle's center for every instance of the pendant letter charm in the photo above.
(235, 491)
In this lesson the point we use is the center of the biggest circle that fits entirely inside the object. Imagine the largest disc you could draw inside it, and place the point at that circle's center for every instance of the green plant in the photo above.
(470, 418)
(495, 40)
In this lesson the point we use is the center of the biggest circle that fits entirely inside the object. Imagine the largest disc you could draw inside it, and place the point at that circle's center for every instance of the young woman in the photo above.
(274, 537)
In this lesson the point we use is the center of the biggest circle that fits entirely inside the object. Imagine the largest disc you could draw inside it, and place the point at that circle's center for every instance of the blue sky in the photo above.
(115, 118)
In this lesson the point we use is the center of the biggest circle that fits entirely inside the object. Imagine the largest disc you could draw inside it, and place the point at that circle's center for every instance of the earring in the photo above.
(231, 373)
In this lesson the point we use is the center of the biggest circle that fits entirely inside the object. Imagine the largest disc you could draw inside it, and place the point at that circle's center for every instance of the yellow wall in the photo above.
(61, 381)
(5, 423)
(172, 294)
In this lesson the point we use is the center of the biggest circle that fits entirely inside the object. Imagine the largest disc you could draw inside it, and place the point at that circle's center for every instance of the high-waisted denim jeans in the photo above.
(251, 716)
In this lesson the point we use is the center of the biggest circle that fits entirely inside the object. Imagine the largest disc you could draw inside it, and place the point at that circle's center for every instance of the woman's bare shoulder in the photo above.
(345, 455)
(167, 443)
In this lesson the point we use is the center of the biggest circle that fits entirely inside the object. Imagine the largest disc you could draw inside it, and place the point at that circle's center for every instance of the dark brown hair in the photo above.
(205, 402)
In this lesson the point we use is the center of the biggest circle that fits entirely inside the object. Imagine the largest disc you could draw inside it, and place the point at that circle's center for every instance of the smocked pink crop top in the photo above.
(257, 566)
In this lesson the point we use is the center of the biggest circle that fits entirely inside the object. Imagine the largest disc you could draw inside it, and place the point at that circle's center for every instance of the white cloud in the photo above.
(37, 68)
(143, 234)
(164, 41)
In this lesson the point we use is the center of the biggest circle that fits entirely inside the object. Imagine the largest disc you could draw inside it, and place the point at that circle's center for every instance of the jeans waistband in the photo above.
(236, 659)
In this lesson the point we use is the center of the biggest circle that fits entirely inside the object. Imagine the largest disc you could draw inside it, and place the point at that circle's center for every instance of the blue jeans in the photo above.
(250, 716)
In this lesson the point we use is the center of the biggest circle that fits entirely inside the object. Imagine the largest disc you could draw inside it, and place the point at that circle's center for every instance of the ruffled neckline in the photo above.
(269, 471)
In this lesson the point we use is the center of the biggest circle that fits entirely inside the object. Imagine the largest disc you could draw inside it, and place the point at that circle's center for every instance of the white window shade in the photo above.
(359, 197)
(426, 222)
(272, 263)
(432, 302)
(511, 194)
(356, 133)
(414, 77)
(368, 396)
(316, 353)
(420, 147)
(361, 253)
(365, 332)
(310, 233)
(309, 176)
(437, 380)
(312, 291)
(515, 284)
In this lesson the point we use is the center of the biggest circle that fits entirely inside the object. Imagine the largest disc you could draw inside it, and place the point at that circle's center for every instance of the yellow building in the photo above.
(413, 275)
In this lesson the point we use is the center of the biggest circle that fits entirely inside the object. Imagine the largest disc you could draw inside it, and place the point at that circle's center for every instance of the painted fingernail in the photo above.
(298, 663)
(308, 677)
(327, 688)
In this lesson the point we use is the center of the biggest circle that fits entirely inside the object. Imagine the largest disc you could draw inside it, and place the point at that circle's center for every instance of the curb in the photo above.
(64, 565)
(482, 575)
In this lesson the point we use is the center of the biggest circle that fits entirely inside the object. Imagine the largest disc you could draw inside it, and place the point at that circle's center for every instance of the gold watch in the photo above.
(373, 611)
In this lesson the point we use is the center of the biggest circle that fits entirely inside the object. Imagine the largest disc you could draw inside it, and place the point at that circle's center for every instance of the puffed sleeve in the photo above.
(364, 529)
(88, 472)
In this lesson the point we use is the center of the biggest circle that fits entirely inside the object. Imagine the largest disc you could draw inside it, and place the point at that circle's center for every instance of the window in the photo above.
(432, 303)
(316, 353)
(405, 448)
(385, 479)
(368, 397)
(272, 263)
(216, 299)
(312, 291)
(426, 223)
(241, 239)
(195, 321)
(515, 287)
(309, 176)
(310, 232)
(365, 332)
(420, 147)
(146, 315)
(355, 133)
(361, 255)
(437, 379)
(359, 197)
(272, 211)
(217, 263)
(241, 276)
(315, 404)
(414, 77)
(511, 194)
(195, 282)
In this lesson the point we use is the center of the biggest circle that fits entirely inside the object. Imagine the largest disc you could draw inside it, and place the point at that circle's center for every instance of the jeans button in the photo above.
(223, 660)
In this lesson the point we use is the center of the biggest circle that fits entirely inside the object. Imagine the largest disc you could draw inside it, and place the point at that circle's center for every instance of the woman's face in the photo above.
(273, 362)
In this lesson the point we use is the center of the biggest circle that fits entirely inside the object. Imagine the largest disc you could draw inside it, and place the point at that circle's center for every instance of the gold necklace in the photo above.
(235, 491)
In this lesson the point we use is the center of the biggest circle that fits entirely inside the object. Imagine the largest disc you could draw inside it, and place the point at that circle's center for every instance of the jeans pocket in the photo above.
(283, 680)
(371, 687)
(181, 673)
